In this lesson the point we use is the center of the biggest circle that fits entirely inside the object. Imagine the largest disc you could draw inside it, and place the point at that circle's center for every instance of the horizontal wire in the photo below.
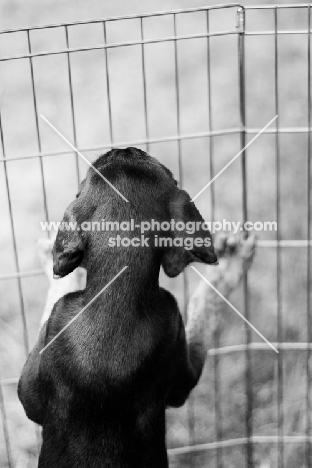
(151, 41)
(284, 243)
(151, 15)
(120, 144)
(188, 136)
(281, 32)
(126, 17)
(259, 347)
(239, 441)
(273, 7)
(10, 381)
(22, 274)
(119, 44)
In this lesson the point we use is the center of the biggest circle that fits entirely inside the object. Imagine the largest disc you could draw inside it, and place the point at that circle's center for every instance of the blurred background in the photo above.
(182, 101)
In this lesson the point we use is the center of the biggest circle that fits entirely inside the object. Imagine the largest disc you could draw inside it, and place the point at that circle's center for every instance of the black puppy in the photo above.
(101, 388)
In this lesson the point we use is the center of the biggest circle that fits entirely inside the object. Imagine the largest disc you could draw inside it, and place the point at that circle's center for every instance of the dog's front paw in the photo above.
(235, 257)
(235, 245)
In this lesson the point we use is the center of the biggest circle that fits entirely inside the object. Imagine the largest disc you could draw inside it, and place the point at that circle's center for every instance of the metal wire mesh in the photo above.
(240, 32)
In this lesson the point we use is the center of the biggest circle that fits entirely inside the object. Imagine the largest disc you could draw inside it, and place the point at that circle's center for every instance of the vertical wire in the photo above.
(216, 340)
(108, 94)
(16, 261)
(309, 321)
(34, 94)
(211, 148)
(177, 90)
(280, 416)
(144, 87)
(190, 405)
(5, 429)
(242, 95)
(72, 104)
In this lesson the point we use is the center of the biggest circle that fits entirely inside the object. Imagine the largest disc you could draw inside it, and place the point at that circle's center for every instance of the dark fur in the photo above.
(101, 389)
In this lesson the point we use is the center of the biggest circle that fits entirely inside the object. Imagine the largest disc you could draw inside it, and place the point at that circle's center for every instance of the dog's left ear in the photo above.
(199, 243)
(69, 247)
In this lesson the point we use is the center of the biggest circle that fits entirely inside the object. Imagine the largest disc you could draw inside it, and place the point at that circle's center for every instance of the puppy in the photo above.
(101, 388)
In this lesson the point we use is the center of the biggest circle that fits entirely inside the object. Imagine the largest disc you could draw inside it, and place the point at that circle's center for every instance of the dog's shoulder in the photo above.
(169, 305)
(63, 311)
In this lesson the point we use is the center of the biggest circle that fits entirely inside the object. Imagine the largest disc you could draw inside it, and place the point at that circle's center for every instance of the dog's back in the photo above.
(110, 396)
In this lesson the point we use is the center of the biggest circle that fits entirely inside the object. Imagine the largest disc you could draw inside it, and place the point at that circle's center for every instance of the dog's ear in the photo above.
(69, 246)
(198, 242)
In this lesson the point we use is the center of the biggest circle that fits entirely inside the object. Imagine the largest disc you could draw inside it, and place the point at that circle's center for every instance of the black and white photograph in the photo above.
(155, 234)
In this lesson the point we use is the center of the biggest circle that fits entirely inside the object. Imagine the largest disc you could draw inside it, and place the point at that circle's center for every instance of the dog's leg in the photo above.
(235, 257)
(29, 391)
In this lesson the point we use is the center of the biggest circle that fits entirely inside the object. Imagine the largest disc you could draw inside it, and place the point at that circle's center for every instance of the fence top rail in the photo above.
(125, 17)
(280, 7)
(153, 14)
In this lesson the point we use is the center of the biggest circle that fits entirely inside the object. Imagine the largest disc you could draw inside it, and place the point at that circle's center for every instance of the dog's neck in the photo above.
(143, 264)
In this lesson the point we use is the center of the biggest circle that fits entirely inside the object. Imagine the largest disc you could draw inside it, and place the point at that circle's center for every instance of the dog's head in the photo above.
(152, 193)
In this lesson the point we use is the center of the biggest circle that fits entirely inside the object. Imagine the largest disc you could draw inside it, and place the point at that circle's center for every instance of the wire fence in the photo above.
(237, 25)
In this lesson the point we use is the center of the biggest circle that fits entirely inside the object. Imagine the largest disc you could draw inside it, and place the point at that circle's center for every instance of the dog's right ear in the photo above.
(69, 247)
(175, 259)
